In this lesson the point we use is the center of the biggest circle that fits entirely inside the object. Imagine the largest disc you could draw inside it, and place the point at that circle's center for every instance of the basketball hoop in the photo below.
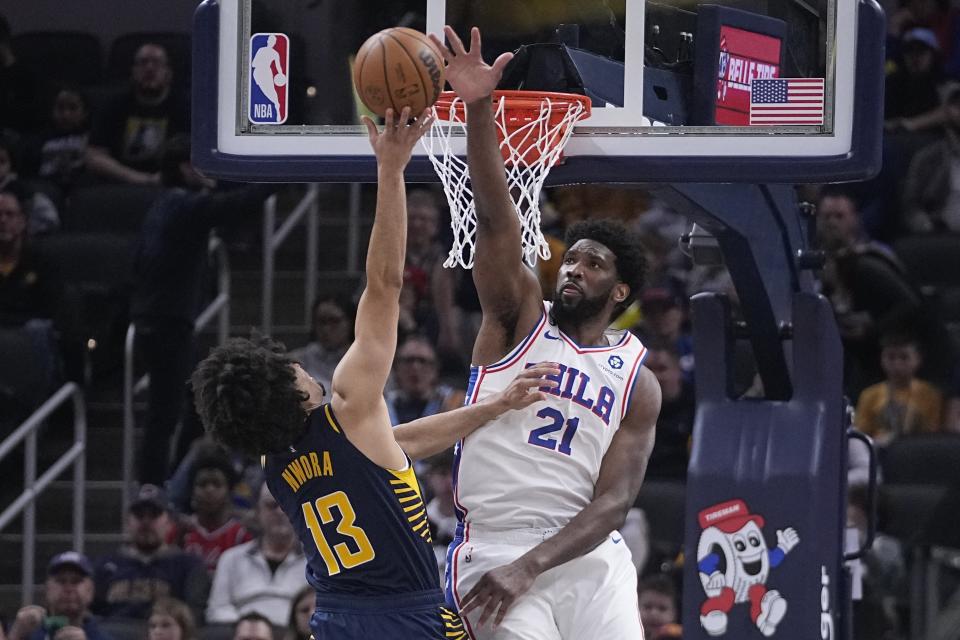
(533, 127)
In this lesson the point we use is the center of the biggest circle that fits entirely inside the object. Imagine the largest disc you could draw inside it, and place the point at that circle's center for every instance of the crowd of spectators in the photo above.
(219, 551)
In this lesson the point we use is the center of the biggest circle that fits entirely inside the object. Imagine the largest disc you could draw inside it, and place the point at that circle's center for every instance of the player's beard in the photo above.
(580, 311)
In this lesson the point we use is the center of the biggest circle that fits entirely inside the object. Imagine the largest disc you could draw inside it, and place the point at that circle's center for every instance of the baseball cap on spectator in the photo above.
(71, 559)
(919, 36)
(149, 497)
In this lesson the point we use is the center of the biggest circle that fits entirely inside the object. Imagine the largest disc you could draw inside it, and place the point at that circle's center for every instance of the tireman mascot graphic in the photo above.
(734, 561)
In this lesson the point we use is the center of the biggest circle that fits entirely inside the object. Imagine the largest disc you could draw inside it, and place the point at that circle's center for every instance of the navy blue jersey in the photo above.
(364, 528)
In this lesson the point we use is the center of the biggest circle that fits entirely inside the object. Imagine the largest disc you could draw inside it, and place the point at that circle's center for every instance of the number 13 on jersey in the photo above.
(340, 556)
(540, 436)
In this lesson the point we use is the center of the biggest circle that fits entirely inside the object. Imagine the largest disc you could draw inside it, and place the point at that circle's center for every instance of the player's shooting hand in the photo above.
(497, 591)
(471, 77)
(394, 145)
(528, 387)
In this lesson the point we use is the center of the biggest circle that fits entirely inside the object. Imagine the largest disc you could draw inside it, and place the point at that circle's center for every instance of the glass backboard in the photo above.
(729, 91)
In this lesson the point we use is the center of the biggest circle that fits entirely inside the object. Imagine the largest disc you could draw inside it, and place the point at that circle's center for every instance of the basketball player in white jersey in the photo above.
(541, 493)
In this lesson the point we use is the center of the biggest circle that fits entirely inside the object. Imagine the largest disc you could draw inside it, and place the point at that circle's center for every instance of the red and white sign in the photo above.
(744, 56)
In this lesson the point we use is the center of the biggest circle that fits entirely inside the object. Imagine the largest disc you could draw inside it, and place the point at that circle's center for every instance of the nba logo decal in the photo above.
(269, 66)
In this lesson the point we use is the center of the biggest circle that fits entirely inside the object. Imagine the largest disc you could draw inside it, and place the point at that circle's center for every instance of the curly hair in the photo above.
(631, 260)
(217, 459)
(247, 397)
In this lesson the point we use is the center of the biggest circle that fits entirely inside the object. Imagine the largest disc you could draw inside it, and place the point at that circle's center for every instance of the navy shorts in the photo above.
(408, 617)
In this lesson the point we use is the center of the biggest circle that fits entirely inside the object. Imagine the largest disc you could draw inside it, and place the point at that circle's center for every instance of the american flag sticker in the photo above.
(786, 101)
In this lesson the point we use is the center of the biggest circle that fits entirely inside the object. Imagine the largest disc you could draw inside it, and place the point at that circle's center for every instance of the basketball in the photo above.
(397, 68)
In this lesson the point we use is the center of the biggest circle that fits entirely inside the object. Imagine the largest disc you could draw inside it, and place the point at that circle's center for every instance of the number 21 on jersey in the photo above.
(340, 556)
(541, 435)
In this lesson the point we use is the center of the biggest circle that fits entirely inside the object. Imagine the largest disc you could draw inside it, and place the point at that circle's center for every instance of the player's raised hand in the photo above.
(394, 145)
(497, 591)
(471, 77)
(529, 386)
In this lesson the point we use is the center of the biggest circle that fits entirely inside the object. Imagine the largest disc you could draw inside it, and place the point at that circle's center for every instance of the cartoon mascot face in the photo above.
(734, 538)
(734, 562)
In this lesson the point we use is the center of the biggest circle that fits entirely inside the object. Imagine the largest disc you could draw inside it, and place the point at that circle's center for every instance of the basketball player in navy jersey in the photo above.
(540, 493)
(341, 473)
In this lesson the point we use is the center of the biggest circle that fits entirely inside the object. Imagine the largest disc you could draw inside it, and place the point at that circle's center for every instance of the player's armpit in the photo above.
(366, 424)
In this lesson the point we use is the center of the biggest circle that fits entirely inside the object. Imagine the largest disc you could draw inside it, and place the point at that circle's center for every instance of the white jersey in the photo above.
(537, 467)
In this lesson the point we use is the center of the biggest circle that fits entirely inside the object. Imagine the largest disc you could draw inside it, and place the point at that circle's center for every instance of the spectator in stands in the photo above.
(330, 337)
(213, 527)
(131, 579)
(931, 200)
(912, 97)
(29, 287)
(417, 392)
(249, 475)
(424, 255)
(42, 215)
(866, 284)
(68, 593)
(169, 269)
(129, 134)
(261, 575)
(657, 598)
(17, 86)
(902, 404)
(665, 320)
(670, 454)
(63, 147)
(440, 509)
(301, 610)
(171, 619)
(253, 626)
(875, 613)
(458, 317)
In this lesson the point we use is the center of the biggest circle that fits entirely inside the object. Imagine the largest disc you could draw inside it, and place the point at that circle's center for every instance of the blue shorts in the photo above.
(418, 615)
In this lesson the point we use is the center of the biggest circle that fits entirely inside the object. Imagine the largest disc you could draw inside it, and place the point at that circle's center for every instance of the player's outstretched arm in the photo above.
(429, 436)
(621, 474)
(509, 292)
(359, 379)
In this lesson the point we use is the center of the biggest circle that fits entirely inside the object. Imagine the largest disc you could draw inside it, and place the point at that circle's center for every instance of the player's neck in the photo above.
(586, 334)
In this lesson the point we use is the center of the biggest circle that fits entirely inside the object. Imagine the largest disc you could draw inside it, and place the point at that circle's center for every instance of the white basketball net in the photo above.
(538, 136)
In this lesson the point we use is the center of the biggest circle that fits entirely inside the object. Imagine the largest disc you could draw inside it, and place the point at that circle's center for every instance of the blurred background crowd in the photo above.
(104, 222)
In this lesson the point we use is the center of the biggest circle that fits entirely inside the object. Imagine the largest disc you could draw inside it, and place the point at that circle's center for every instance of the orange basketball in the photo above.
(398, 68)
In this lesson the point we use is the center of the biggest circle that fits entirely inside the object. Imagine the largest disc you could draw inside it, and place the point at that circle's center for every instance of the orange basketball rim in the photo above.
(531, 124)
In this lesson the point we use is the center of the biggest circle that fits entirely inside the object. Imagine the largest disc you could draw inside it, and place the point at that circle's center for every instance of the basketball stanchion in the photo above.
(533, 127)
